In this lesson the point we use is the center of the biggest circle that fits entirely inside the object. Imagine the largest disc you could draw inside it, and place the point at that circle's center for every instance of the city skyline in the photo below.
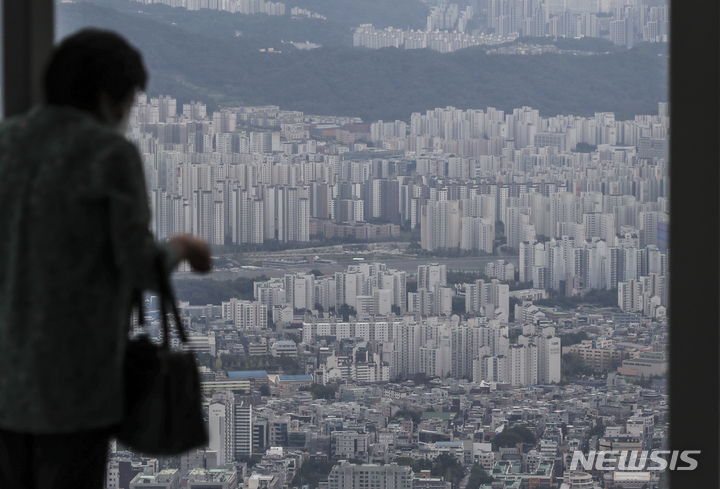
(463, 298)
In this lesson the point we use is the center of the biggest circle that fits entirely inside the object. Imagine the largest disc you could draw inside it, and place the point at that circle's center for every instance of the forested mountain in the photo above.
(383, 84)
(401, 14)
(219, 24)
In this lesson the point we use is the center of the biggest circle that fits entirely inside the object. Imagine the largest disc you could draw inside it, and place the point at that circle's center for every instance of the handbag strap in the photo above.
(168, 297)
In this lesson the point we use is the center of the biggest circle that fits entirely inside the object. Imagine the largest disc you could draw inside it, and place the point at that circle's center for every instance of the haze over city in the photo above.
(440, 236)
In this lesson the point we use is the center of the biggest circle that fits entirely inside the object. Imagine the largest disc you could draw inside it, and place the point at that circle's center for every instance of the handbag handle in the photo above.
(168, 297)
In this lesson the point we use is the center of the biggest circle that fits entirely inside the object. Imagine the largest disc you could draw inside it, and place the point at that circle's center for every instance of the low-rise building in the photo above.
(213, 479)
(599, 357)
(646, 364)
(350, 444)
(165, 479)
(258, 348)
(265, 481)
(284, 348)
(370, 476)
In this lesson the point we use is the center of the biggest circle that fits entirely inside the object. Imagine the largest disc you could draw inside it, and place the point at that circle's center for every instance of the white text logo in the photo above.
(628, 460)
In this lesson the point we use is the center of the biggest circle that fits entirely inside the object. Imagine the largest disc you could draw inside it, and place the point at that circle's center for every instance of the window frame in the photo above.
(694, 280)
(694, 376)
(28, 29)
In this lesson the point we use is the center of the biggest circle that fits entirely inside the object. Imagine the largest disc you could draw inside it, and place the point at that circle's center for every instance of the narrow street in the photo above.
(464, 481)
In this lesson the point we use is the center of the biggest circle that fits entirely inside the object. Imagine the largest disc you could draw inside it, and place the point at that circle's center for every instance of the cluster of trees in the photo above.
(573, 338)
(286, 365)
(311, 472)
(346, 311)
(595, 297)
(456, 277)
(444, 465)
(587, 44)
(585, 148)
(458, 305)
(205, 359)
(478, 476)
(645, 382)
(597, 430)
(200, 292)
(573, 367)
(511, 437)
(251, 460)
(404, 413)
(447, 252)
(416, 465)
(385, 84)
(297, 338)
(320, 391)
(315, 241)
(520, 285)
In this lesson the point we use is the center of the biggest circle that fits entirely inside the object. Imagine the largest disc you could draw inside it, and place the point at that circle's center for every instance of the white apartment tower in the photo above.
(221, 429)
(243, 430)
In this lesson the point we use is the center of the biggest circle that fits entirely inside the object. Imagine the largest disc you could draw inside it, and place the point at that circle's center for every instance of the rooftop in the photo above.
(291, 378)
(212, 475)
(247, 374)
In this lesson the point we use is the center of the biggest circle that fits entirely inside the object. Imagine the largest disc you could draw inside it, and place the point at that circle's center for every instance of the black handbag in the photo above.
(163, 398)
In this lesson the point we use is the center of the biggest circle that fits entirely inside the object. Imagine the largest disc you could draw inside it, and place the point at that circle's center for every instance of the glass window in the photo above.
(577, 204)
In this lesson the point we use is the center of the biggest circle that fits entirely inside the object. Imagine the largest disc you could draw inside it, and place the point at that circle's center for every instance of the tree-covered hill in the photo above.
(383, 84)
(401, 14)
(266, 29)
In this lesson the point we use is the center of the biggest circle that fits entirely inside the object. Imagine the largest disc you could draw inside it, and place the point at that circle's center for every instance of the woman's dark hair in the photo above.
(91, 62)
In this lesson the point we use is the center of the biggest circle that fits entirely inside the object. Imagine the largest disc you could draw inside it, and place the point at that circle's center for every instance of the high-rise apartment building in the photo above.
(245, 315)
(243, 430)
(221, 425)
(389, 476)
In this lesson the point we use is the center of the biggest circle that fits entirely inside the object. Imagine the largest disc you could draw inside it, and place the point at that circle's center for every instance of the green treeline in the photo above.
(382, 84)
(320, 391)
(286, 365)
(573, 338)
(342, 17)
(201, 292)
(317, 241)
(572, 367)
(456, 277)
(600, 298)
(478, 476)
(587, 44)
(311, 472)
(264, 29)
(511, 437)
(403, 413)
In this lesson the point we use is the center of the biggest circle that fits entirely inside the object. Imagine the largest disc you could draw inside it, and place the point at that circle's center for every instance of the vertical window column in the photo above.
(27, 36)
